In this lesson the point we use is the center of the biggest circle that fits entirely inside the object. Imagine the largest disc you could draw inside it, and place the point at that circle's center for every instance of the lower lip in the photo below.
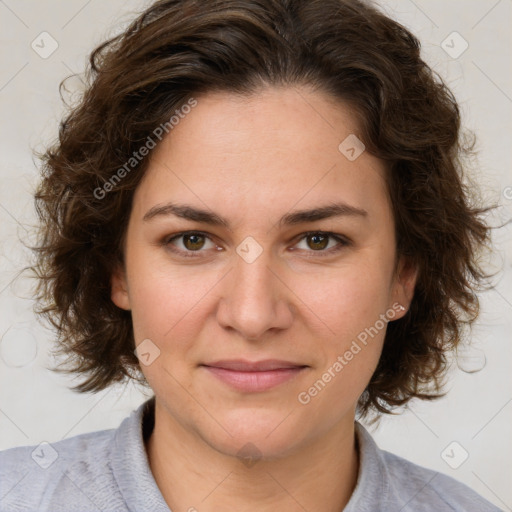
(254, 381)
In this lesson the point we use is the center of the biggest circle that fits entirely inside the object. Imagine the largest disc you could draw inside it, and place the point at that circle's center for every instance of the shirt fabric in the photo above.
(108, 471)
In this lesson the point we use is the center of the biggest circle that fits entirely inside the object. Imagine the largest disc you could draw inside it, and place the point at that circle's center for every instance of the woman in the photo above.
(256, 210)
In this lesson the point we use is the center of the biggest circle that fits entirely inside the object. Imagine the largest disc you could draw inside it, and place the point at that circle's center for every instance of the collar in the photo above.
(133, 475)
(130, 463)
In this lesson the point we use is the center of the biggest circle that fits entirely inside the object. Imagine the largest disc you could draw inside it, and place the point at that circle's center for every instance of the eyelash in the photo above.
(343, 242)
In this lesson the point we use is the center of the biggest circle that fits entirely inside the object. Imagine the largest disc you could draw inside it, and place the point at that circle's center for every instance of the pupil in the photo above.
(323, 245)
(195, 245)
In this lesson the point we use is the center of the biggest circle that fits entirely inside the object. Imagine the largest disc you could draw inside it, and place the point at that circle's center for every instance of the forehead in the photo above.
(274, 149)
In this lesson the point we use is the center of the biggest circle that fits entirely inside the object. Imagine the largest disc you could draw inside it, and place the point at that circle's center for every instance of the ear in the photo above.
(119, 288)
(403, 286)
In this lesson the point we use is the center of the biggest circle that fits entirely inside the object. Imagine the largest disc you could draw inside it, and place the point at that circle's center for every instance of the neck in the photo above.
(192, 475)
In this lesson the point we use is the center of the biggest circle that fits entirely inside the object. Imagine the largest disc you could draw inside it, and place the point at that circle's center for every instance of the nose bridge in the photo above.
(254, 281)
(252, 269)
(254, 299)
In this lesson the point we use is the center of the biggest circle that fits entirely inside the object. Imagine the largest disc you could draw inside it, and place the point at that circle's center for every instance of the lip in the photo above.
(258, 376)
(242, 365)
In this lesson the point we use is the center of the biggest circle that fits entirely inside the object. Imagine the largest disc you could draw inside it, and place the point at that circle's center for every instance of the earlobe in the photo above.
(119, 289)
(405, 283)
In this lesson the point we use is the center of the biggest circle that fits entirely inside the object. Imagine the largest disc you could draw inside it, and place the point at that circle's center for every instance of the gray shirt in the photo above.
(108, 471)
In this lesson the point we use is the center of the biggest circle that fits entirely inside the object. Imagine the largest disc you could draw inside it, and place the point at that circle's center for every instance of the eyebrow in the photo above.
(188, 212)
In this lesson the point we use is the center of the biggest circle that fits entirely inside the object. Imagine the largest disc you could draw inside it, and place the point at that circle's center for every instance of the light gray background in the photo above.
(36, 405)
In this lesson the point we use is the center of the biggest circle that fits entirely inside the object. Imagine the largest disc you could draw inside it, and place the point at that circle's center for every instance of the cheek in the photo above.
(353, 310)
(165, 310)
(152, 301)
(354, 316)
(170, 303)
(348, 310)
(345, 300)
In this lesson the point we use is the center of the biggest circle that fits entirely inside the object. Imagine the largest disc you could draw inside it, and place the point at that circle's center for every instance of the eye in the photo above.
(319, 240)
(194, 241)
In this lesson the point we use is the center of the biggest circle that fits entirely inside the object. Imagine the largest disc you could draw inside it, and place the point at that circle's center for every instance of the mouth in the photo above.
(256, 376)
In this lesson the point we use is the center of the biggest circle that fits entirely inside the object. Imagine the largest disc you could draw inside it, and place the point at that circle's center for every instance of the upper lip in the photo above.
(242, 365)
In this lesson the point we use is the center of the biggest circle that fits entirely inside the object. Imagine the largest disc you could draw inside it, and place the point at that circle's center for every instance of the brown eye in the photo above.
(193, 242)
(318, 241)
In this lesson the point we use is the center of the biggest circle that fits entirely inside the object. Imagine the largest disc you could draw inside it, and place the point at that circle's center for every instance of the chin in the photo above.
(257, 433)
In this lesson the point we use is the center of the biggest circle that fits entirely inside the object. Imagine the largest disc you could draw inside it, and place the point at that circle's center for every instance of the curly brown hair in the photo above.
(178, 48)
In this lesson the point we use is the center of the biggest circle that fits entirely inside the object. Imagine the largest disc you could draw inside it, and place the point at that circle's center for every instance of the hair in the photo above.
(347, 49)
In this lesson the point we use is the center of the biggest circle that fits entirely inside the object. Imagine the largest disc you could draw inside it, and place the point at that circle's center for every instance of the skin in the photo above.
(253, 160)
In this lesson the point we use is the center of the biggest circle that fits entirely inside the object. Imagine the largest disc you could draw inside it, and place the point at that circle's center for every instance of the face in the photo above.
(251, 279)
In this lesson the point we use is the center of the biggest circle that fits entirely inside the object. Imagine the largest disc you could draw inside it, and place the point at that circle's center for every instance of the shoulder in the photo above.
(409, 487)
(423, 489)
(104, 470)
(29, 475)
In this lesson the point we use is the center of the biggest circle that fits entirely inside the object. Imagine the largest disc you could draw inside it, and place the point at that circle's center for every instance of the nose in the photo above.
(255, 299)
